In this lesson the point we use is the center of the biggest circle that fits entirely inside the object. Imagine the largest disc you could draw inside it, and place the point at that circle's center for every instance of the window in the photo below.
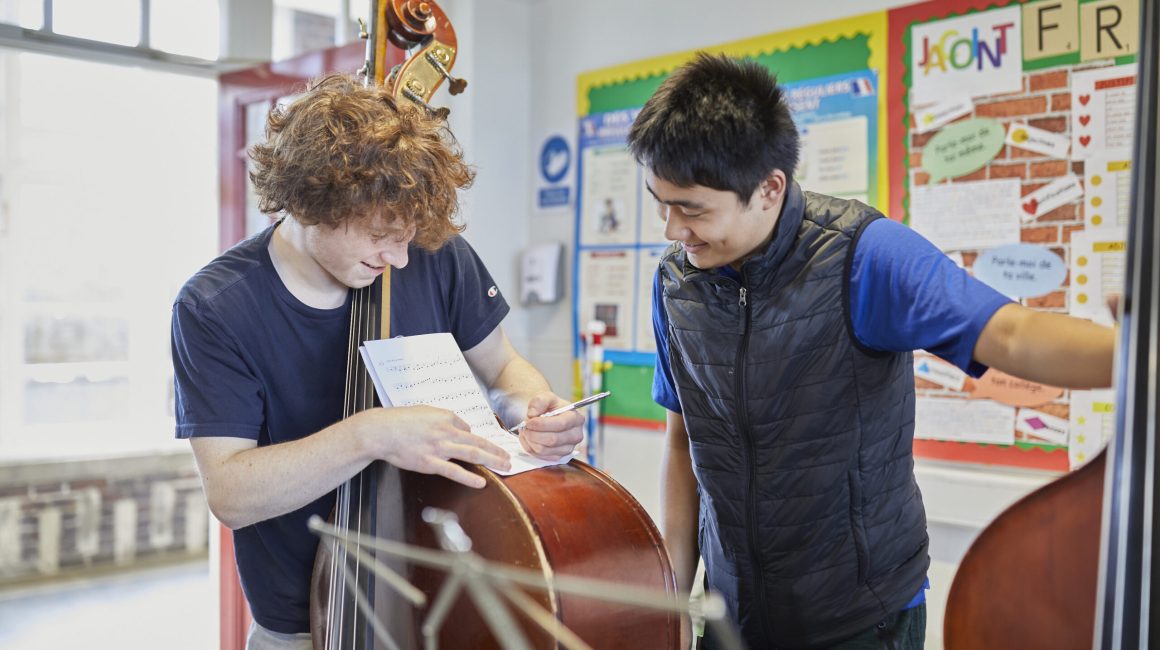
(108, 190)
(111, 21)
(185, 27)
(182, 27)
(25, 13)
(307, 25)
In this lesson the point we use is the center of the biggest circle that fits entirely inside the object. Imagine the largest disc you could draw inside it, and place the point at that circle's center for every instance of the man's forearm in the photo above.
(514, 387)
(679, 506)
(260, 483)
(1049, 348)
(680, 534)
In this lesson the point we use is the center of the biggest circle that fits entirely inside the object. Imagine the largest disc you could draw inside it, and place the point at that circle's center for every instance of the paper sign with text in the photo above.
(1107, 187)
(1021, 270)
(1097, 272)
(977, 54)
(963, 420)
(962, 147)
(1103, 111)
(1047, 428)
(934, 116)
(1001, 387)
(967, 215)
(1050, 197)
(1035, 139)
(939, 372)
(1092, 424)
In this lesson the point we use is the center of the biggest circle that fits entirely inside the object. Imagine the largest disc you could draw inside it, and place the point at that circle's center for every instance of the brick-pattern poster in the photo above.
(1007, 126)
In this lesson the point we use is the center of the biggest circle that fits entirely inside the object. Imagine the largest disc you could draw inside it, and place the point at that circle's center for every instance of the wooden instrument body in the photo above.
(1029, 580)
(567, 520)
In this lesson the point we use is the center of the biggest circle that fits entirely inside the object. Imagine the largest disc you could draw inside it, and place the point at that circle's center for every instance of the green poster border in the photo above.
(846, 54)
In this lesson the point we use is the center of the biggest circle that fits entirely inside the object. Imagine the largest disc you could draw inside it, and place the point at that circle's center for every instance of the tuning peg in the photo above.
(455, 85)
(362, 29)
(441, 113)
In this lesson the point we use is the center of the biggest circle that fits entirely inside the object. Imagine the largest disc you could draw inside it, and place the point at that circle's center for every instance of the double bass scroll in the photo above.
(422, 29)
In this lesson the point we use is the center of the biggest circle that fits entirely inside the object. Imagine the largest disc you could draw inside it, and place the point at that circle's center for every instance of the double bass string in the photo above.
(341, 515)
(368, 324)
(337, 605)
(371, 328)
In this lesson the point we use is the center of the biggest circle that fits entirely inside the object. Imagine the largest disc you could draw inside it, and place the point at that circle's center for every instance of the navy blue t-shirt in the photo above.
(905, 294)
(252, 361)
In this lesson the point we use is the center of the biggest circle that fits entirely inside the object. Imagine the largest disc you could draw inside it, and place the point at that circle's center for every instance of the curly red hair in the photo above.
(344, 152)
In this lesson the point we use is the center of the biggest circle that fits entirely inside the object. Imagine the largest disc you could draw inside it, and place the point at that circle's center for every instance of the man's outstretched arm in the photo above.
(1048, 348)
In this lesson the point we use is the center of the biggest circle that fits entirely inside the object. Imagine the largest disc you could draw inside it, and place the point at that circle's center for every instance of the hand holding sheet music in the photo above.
(430, 369)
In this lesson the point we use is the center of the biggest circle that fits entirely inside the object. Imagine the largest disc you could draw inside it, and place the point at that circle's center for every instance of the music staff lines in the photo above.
(433, 381)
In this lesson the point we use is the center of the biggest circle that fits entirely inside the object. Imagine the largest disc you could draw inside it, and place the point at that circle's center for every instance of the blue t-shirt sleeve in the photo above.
(664, 391)
(475, 305)
(216, 393)
(906, 294)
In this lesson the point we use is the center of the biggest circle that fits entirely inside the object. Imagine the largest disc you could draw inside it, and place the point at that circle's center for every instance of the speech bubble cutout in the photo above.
(1021, 270)
(962, 148)
(1013, 391)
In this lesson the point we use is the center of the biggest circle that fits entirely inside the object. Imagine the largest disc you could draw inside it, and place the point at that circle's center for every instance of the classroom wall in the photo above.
(490, 120)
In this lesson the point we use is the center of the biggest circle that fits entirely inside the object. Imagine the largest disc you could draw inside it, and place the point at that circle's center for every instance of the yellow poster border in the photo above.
(872, 25)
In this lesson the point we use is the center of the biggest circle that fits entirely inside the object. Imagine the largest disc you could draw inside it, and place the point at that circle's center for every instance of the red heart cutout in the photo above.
(1031, 206)
(1084, 99)
(1085, 140)
(1084, 119)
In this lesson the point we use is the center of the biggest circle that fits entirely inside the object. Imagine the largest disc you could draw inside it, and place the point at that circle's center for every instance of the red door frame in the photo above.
(260, 84)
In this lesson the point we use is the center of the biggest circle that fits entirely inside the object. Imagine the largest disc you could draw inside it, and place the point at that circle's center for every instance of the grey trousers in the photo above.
(260, 638)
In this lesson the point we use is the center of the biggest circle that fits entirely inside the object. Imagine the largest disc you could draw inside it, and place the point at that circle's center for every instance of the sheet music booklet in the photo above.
(430, 369)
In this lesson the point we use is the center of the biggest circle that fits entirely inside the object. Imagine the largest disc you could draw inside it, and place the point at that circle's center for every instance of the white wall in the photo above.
(490, 119)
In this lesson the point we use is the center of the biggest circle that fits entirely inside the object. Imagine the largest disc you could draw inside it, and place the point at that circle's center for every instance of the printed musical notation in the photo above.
(428, 382)
(418, 367)
(431, 370)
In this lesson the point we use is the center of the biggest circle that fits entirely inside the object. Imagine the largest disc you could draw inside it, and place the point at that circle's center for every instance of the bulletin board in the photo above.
(997, 129)
(831, 75)
(1009, 148)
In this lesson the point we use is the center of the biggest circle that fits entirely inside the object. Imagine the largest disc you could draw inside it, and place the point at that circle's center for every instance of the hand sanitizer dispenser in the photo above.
(542, 274)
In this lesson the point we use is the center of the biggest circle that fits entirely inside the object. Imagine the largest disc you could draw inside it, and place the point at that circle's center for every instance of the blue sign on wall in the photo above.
(555, 159)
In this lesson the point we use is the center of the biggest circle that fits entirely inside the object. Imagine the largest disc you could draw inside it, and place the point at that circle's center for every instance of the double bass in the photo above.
(1071, 565)
(563, 520)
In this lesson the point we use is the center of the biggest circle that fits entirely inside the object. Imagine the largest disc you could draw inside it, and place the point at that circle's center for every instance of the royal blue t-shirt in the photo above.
(905, 294)
(252, 361)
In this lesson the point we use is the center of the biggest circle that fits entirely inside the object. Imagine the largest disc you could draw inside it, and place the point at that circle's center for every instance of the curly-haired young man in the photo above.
(260, 335)
(785, 322)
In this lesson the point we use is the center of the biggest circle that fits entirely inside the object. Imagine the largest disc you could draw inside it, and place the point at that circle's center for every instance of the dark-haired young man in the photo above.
(785, 322)
(260, 336)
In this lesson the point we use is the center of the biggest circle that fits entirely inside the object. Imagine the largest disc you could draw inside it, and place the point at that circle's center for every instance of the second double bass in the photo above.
(564, 520)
